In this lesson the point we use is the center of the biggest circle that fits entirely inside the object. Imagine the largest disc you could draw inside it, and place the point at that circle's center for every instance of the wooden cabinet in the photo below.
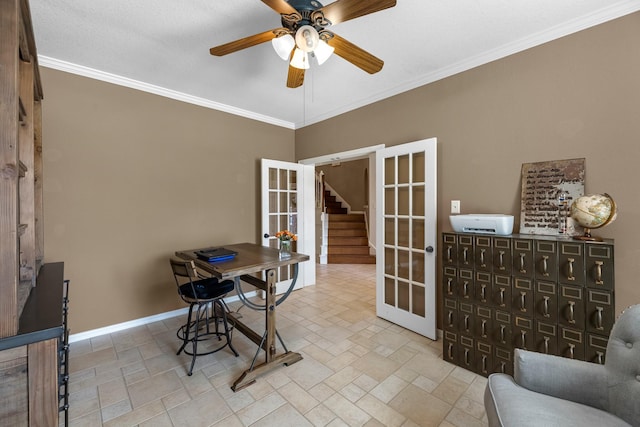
(540, 293)
(33, 348)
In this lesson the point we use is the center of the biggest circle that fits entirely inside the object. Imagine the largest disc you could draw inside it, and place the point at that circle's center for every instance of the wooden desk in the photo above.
(252, 259)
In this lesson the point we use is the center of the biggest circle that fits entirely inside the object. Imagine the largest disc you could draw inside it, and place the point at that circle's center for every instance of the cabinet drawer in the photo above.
(502, 255)
(522, 296)
(571, 263)
(483, 322)
(571, 306)
(465, 251)
(450, 281)
(546, 337)
(546, 260)
(502, 329)
(449, 249)
(450, 347)
(599, 266)
(522, 256)
(596, 349)
(484, 358)
(467, 352)
(546, 305)
(483, 254)
(450, 320)
(571, 343)
(466, 318)
(600, 311)
(501, 292)
(503, 359)
(482, 287)
(465, 284)
(523, 332)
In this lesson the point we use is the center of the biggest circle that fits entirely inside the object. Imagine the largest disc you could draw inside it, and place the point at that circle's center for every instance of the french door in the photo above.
(287, 205)
(406, 235)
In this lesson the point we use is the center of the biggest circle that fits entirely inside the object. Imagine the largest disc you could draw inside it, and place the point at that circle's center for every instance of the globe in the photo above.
(593, 211)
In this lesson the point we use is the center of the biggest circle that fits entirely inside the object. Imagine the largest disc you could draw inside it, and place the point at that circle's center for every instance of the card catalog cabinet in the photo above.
(540, 293)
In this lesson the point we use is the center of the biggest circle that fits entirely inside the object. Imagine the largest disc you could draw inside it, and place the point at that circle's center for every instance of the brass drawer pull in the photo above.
(570, 275)
(450, 351)
(466, 322)
(449, 259)
(545, 266)
(482, 263)
(502, 297)
(571, 312)
(450, 318)
(501, 260)
(546, 345)
(465, 255)
(599, 280)
(466, 356)
(522, 269)
(599, 318)
(545, 307)
(571, 350)
(483, 292)
(484, 363)
(449, 286)
(523, 338)
(599, 357)
(483, 329)
(502, 334)
(465, 289)
(523, 302)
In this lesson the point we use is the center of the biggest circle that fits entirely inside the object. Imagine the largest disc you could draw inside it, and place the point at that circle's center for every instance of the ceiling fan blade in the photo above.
(357, 56)
(295, 78)
(244, 43)
(344, 10)
(280, 6)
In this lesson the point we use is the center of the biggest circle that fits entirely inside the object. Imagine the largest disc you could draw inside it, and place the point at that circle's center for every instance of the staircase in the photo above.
(347, 235)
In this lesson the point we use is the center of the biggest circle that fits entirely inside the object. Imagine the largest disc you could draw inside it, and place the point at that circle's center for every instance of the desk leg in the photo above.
(271, 360)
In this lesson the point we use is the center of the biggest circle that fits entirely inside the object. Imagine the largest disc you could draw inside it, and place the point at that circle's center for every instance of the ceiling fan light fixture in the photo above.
(283, 46)
(300, 59)
(307, 38)
(323, 52)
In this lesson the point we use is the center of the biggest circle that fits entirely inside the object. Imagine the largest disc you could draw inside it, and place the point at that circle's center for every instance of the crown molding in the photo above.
(92, 73)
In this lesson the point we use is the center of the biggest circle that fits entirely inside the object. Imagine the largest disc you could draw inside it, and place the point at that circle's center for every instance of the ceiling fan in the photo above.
(304, 32)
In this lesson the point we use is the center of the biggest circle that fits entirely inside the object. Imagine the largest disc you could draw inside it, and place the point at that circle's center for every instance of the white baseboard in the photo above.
(139, 322)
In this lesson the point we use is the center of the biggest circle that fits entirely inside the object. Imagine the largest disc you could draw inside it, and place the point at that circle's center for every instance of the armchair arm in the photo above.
(575, 380)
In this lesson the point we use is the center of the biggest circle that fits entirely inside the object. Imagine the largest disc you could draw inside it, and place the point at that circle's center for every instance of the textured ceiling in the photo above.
(162, 46)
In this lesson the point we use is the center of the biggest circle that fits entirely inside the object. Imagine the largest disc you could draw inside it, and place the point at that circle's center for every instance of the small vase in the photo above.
(285, 249)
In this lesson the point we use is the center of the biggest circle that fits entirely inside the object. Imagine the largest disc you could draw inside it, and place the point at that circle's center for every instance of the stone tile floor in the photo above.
(358, 370)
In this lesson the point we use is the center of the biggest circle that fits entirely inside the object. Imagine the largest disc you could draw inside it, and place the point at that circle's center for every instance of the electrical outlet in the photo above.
(455, 206)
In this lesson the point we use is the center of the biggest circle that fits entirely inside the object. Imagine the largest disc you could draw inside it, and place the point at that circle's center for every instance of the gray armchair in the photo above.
(555, 391)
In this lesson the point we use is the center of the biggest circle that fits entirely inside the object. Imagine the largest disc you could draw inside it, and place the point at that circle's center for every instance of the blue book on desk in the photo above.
(216, 254)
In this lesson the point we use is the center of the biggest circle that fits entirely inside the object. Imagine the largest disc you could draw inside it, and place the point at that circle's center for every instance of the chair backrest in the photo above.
(623, 366)
(184, 268)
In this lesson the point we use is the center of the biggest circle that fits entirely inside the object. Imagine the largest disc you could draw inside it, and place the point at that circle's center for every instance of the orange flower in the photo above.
(286, 235)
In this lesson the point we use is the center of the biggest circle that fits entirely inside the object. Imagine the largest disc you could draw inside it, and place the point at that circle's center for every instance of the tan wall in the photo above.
(348, 179)
(129, 178)
(575, 97)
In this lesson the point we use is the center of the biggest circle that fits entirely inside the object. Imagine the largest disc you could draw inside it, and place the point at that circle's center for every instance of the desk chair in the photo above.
(205, 295)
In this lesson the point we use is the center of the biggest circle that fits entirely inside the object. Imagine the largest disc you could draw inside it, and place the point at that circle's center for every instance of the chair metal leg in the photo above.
(185, 330)
(194, 340)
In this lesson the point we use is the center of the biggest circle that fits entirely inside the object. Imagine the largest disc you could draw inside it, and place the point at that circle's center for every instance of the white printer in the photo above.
(482, 223)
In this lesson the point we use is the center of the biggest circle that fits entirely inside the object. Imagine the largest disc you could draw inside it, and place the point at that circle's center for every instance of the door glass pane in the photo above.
(418, 167)
(389, 291)
(293, 224)
(403, 200)
(403, 264)
(417, 234)
(273, 202)
(284, 222)
(389, 201)
(283, 179)
(417, 267)
(273, 179)
(284, 202)
(293, 202)
(389, 231)
(403, 295)
(403, 169)
(292, 180)
(389, 261)
(417, 300)
(389, 171)
(273, 227)
(403, 232)
(418, 200)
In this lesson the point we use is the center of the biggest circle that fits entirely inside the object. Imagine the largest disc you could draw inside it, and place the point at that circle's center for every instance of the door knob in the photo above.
(429, 249)
(266, 235)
